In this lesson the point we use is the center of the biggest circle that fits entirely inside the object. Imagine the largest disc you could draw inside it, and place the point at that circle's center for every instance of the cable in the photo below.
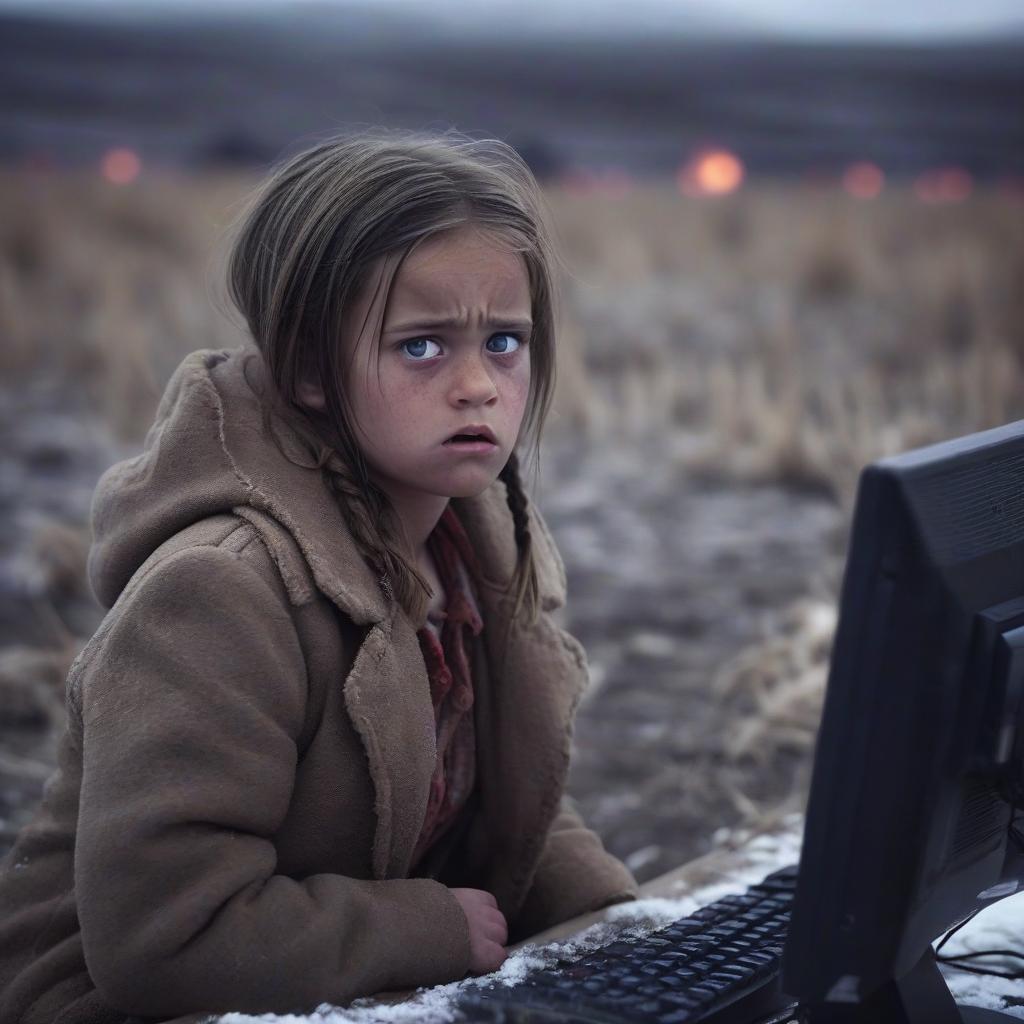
(986, 971)
(952, 931)
(955, 961)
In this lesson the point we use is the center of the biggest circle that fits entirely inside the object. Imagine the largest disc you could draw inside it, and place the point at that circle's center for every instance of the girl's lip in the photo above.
(471, 446)
(485, 433)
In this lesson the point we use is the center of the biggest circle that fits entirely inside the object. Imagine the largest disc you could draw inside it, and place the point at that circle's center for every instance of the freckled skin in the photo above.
(430, 383)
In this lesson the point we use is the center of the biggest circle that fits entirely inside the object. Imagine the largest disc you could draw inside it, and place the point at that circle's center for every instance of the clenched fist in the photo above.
(488, 930)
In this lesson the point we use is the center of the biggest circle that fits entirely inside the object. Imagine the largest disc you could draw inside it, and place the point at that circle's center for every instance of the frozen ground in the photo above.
(669, 577)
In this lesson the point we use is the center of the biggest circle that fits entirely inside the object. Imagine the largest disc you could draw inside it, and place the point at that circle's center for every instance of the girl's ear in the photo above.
(311, 394)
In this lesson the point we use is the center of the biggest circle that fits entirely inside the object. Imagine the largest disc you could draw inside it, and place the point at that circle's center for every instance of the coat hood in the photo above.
(207, 454)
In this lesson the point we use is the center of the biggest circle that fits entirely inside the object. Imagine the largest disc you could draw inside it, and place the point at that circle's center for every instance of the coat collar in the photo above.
(292, 492)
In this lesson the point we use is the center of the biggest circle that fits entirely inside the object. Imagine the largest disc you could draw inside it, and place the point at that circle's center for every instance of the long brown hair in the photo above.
(314, 236)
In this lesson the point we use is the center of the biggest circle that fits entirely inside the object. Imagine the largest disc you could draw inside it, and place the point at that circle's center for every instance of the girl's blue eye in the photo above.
(506, 350)
(420, 345)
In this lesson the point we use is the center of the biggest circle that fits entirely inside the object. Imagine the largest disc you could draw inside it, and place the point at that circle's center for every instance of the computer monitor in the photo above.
(913, 817)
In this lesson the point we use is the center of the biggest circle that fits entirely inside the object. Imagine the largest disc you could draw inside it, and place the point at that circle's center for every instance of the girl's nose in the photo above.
(472, 383)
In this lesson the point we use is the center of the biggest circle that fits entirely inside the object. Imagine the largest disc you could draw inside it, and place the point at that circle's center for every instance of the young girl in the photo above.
(318, 747)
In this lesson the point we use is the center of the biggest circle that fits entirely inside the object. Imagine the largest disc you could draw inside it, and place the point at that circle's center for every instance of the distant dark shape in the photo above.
(233, 148)
(541, 157)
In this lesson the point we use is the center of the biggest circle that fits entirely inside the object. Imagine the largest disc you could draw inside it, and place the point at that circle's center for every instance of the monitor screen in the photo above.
(912, 817)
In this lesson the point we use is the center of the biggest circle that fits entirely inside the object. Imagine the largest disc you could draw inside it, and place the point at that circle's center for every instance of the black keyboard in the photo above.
(720, 965)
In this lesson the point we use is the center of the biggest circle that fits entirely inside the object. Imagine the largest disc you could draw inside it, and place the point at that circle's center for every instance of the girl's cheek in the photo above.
(521, 383)
(403, 387)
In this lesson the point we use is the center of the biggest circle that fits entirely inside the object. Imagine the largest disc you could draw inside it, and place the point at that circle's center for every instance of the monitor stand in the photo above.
(920, 997)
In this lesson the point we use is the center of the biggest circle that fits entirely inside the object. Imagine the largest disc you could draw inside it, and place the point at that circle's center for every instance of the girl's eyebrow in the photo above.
(504, 324)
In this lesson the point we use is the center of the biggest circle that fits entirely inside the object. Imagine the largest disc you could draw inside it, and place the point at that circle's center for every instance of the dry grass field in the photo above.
(794, 332)
(775, 339)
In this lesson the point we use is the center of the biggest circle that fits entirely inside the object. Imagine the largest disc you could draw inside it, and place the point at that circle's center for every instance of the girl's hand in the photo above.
(488, 930)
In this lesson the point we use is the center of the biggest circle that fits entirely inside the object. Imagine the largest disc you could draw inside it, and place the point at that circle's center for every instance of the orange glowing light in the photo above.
(714, 172)
(863, 180)
(944, 185)
(121, 166)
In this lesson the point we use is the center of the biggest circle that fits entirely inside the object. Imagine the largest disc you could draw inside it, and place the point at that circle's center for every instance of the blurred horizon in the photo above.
(194, 86)
(896, 21)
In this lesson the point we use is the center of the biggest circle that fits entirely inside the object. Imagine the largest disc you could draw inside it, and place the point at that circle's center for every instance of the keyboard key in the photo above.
(740, 899)
(618, 949)
(740, 971)
(681, 999)
(684, 924)
(686, 973)
(702, 993)
(723, 931)
(706, 914)
(694, 947)
(717, 983)
(672, 981)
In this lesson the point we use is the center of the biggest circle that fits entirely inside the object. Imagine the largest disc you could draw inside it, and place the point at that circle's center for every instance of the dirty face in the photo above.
(453, 359)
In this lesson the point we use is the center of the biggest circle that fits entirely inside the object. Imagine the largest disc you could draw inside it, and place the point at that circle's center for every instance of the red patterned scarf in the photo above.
(451, 684)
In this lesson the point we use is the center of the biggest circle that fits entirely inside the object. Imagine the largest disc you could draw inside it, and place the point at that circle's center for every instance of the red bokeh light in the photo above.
(863, 180)
(121, 166)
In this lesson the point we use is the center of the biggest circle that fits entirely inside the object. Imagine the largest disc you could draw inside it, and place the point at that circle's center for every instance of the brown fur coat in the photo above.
(249, 748)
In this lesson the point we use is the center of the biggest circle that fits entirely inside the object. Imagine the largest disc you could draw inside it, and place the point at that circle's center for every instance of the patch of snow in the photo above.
(654, 645)
(638, 858)
(990, 993)
(998, 926)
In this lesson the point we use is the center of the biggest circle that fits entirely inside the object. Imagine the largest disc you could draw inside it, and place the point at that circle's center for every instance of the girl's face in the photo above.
(453, 358)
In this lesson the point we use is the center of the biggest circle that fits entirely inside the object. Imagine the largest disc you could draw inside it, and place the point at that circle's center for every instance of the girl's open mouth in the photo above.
(470, 443)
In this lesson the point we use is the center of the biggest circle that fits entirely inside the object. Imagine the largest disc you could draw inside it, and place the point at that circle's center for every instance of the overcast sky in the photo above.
(894, 19)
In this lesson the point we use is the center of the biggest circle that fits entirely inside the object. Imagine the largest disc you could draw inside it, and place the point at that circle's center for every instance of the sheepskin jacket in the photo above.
(250, 742)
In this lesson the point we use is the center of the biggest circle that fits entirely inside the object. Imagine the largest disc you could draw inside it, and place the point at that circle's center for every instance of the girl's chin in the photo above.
(469, 484)
(469, 489)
